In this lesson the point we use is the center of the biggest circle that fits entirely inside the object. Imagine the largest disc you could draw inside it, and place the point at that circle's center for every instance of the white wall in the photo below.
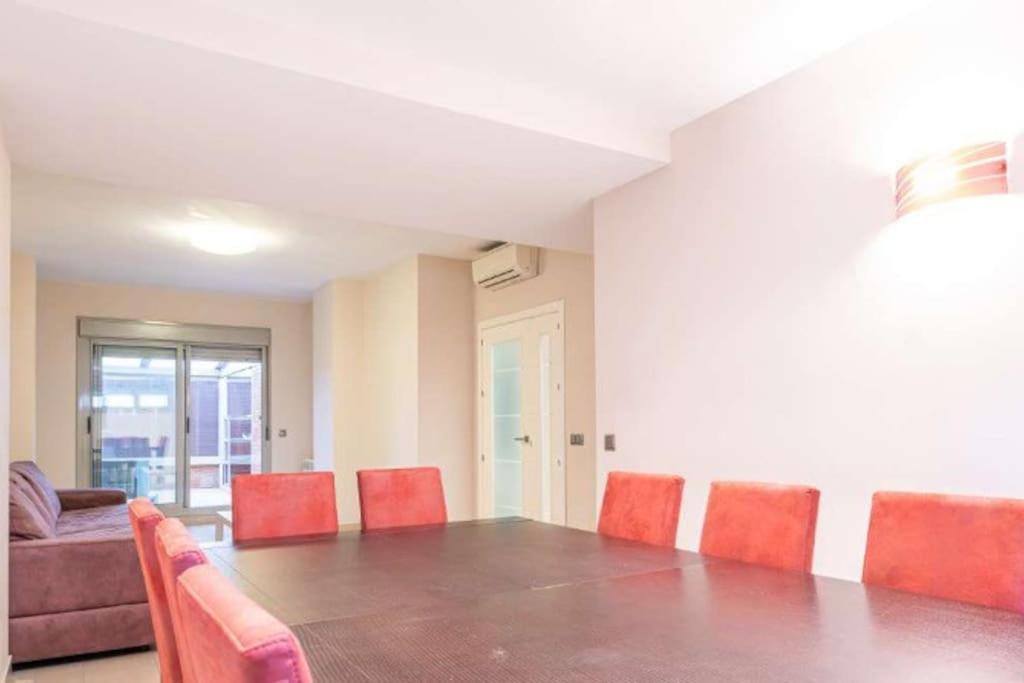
(758, 317)
(61, 303)
(23, 357)
(568, 277)
(5, 384)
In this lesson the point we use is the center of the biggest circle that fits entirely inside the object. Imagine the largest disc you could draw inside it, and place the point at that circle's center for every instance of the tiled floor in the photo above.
(133, 667)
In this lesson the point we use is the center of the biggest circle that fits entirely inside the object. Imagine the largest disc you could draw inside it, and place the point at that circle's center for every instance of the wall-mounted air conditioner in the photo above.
(506, 265)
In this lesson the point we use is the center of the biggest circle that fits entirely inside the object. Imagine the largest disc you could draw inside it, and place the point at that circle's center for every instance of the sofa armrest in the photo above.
(63, 575)
(76, 499)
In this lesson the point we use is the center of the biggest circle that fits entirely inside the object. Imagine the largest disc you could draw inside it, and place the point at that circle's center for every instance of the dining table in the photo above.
(519, 600)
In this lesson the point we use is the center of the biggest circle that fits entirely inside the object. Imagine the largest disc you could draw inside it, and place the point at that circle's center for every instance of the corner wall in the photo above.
(23, 357)
(5, 389)
(760, 316)
(393, 368)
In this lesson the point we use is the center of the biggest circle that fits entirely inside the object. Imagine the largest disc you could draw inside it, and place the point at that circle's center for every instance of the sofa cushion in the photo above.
(26, 519)
(35, 477)
(106, 520)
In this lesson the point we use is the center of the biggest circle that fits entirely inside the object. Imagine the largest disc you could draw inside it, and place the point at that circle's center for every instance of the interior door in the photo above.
(521, 418)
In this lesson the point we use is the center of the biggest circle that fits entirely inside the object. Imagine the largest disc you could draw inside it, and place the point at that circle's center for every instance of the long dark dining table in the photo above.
(516, 600)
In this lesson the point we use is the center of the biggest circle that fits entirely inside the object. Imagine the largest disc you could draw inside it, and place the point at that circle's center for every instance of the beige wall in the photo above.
(5, 383)
(61, 303)
(23, 357)
(393, 376)
(391, 389)
(338, 379)
(447, 378)
(569, 277)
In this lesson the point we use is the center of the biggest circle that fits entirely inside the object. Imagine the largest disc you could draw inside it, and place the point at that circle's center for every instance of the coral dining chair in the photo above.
(955, 547)
(768, 524)
(144, 518)
(231, 638)
(641, 507)
(401, 497)
(177, 552)
(269, 506)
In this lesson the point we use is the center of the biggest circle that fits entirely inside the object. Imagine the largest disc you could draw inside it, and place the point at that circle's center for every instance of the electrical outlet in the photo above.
(575, 439)
(609, 442)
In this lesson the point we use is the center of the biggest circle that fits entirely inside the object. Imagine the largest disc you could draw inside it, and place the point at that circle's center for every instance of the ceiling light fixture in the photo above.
(225, 240)
(968, 172)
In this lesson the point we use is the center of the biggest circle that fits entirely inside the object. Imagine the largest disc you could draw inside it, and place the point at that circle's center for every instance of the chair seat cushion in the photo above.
(104, 521)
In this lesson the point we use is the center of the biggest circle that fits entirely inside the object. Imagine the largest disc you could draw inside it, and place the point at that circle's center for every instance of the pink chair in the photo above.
(764, 524)
(954, 547)
(176, 552)
(641, 507)
(231, 638)
(144, 518)
(402, 497)
(268, 506)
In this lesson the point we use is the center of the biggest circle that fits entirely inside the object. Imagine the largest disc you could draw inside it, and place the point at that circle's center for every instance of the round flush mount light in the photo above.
(225, 240)
(967, 172)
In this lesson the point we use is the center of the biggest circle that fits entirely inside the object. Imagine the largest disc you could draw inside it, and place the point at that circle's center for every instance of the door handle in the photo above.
(523, 439)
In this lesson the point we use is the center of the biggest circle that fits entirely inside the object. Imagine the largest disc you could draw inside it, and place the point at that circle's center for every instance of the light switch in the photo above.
(609, 442)
(575, 439)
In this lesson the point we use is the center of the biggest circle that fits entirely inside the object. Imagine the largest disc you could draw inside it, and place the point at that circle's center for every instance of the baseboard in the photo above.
(7, 669)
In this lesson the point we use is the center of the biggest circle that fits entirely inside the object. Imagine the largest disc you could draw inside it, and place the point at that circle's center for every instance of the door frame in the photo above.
(93, 332)
(558, 432)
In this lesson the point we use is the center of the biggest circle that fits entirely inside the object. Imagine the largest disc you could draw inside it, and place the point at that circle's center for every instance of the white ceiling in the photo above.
(487, 118)
(94, 231)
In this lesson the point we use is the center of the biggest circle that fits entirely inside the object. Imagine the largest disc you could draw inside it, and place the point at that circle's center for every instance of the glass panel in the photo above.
(134, 425)
(506, 426)
(225, 422)
(544, 438)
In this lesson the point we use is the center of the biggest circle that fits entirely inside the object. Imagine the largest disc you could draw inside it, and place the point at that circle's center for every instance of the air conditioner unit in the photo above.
(506, 265)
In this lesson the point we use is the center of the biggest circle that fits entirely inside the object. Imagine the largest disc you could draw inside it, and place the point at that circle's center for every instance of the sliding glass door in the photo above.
(134, 420)
(172, 421)
(225, 421)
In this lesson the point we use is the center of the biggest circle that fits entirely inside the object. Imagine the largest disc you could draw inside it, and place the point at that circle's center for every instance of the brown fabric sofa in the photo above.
(75, 580)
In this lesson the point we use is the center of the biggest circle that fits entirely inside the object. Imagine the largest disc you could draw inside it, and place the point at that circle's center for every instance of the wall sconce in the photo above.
(968, 172)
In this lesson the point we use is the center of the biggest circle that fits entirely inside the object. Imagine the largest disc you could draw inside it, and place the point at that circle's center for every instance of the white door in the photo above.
(521, 416)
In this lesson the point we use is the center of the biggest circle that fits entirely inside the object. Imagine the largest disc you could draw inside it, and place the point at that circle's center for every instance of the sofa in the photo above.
(75, 581)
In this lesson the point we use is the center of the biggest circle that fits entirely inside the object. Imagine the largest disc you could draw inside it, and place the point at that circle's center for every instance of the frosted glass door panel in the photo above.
(506, 428)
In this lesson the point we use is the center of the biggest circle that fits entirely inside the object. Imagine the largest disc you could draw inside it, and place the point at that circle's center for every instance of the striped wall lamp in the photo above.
(968, 172)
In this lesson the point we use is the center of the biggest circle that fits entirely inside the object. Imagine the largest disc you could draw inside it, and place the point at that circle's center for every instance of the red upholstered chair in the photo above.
(231, 638)
(954, 547)
(176, 552)
(144, 518)
(766, 524)
(641, 507)
(268, 506)
(412, 496)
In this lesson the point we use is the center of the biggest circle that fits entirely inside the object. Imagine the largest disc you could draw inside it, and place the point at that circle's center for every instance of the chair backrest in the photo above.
(955, 547)
(402, 497)
(176, 552)
(231, 638)
(767, 524)
(641, 507)
(145, 517)
(268, 506)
